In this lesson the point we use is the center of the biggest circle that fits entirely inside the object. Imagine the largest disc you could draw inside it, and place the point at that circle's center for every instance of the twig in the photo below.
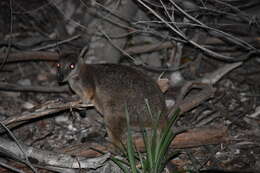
(41, 89)
(235, 39)
(10, 167)
(56, 44)
(50, 107)
(54, 3)
(205, 83)
(10, 38)
(190, 138)
(149, 48)
(180, 34)
(212, 78)
(31, 56)
(51, 158)
(23, 154)
(121, 50)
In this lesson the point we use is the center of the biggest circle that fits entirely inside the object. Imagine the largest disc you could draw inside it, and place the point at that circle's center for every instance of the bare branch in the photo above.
(49, 158)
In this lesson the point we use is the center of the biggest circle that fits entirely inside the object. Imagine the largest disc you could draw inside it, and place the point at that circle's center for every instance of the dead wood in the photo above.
(49, 158)
(191, 138)
(29, 56)
(41, 89)
(48, 108)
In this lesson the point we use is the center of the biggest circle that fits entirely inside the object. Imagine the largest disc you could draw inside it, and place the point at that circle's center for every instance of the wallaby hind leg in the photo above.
(116, 126)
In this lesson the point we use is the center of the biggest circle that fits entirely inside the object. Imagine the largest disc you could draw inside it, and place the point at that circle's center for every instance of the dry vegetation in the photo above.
(208, 49)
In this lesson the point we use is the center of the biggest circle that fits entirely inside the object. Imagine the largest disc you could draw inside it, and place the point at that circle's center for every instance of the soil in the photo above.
(235, 105)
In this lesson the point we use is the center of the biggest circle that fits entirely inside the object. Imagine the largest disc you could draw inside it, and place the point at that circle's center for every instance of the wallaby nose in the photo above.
(60, 76)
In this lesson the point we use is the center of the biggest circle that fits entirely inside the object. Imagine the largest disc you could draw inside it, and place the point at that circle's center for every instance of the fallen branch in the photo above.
(49, 158)
(205, 83)
(48, 108)
(42, 89)
(191, 138)
(29, 56)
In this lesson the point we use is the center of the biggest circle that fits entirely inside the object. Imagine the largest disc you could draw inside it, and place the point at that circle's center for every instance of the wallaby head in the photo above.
(68, 66)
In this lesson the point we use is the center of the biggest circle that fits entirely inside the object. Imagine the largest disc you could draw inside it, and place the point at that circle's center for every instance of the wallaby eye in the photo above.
(72, 66)
(58, 65)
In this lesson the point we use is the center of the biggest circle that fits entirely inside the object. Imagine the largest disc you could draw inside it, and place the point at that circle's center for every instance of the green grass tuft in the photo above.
(156, 155)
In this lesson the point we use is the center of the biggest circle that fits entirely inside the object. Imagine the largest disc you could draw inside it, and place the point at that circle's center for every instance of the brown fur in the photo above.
(115, 90)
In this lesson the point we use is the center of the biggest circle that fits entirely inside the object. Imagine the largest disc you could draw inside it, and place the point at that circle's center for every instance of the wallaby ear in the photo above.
(81, 60)
(82, 54)
(83, 51)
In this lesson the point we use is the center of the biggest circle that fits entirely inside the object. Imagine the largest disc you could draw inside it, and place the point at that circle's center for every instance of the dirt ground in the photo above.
(235, 105)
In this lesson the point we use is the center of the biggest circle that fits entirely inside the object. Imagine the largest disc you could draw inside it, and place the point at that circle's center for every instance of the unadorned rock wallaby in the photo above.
(114, 90)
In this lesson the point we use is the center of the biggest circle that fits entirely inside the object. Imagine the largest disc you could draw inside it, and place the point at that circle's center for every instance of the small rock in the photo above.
(170, 103)
(70, 127)
(28, 105)
(25, 82)
(61, 119)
